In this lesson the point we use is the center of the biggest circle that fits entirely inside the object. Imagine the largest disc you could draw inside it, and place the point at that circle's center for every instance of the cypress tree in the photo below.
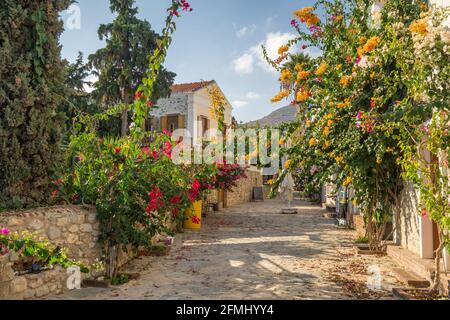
(31, 86)
(122, 64)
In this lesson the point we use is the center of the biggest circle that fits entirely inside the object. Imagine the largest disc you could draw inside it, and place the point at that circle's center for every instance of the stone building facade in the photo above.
(188, 108)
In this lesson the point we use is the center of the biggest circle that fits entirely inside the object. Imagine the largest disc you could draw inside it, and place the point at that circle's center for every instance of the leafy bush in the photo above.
(35, 255)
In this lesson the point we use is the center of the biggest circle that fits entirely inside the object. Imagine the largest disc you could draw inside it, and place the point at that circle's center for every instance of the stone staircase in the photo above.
(414, 271)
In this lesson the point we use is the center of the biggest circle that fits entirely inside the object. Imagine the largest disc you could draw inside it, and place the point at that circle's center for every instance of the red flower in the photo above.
(155, 154)
(168, 149)
(150, 104)
(155, 200)
(175, 200)
(195, 220)
(138, 95)
(348, 59)
(118, 150)
(175, 211)
(424, 212)
(167, 132)
(193, 195)
(196, 185)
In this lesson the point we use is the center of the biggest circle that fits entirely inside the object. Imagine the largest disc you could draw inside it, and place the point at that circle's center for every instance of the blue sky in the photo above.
(219, 40)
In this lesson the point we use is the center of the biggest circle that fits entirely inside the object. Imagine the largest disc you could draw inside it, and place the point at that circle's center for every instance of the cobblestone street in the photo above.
(252, 251)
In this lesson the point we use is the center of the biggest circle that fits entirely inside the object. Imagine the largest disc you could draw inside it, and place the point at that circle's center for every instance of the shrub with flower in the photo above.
(228, 175)
(361, 119)
(132, 181)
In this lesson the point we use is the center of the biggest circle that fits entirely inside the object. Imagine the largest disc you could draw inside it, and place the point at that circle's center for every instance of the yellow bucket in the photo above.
(194, 216)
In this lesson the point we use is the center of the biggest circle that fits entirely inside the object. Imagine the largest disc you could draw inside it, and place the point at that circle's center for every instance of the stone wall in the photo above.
(73, 227)
(29, 286)
(243, 193)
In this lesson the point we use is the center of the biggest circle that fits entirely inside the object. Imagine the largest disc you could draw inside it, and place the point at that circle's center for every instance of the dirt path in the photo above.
(253, 252)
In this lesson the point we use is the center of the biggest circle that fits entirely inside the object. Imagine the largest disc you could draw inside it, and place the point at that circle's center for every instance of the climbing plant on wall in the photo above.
(363, 101)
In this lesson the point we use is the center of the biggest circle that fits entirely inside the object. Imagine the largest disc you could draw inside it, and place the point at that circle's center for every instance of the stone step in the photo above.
(410, 279)
(424, 268)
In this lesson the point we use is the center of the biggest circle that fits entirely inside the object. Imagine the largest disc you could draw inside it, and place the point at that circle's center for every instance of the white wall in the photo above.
(202, 104)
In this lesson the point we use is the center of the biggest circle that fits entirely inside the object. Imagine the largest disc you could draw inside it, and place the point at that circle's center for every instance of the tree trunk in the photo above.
(124, 127)
(436, 286)
(124, 118)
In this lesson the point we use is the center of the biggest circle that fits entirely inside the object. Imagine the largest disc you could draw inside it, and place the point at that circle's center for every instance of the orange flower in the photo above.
(345, 80)
(348, 181)
(280, 96)
(306, 15)
(302, 75)
(285, 76)
(371, 44)
(283, 49)
(303, 95)
(321, 69)
(419, 26)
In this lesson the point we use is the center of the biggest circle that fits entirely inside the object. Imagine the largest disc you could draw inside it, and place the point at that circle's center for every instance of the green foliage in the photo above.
(362, 240)
(42, 253)
(31, 88)
(372, 103)
(122, 64)
(77, 100)
(361, 100)
(120, 279)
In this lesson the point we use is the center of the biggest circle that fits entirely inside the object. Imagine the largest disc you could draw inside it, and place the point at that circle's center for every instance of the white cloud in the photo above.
(313, 52)
(244, 64)
(239, 103)
(252, 95)
(90, 87)
(273, 41)
(245, 31)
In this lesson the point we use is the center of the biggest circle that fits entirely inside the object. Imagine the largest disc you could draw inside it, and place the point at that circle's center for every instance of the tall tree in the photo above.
(77, 99)
(31, 86)
(121, 65)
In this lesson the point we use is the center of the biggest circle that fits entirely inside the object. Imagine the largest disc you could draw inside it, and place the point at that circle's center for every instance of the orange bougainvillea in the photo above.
(307, 16)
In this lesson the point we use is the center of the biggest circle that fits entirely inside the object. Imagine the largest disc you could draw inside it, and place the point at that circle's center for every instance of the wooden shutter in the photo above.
(163, 123)
(181, 122)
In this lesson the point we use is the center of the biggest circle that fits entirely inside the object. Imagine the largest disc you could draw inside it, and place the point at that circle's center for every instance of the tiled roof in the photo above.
(190, 87)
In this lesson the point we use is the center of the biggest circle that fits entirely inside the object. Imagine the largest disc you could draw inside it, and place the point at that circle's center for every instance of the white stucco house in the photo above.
(188, 108)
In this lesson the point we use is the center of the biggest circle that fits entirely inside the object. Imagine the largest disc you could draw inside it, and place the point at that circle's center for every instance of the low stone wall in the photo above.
(73, 227)
(29, 286)
(244, 191)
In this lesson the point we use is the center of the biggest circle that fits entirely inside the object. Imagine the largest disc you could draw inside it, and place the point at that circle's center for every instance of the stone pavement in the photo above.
(251, 251)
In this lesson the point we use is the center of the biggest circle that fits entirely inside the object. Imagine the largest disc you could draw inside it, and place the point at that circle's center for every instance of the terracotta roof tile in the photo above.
(190, 87)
